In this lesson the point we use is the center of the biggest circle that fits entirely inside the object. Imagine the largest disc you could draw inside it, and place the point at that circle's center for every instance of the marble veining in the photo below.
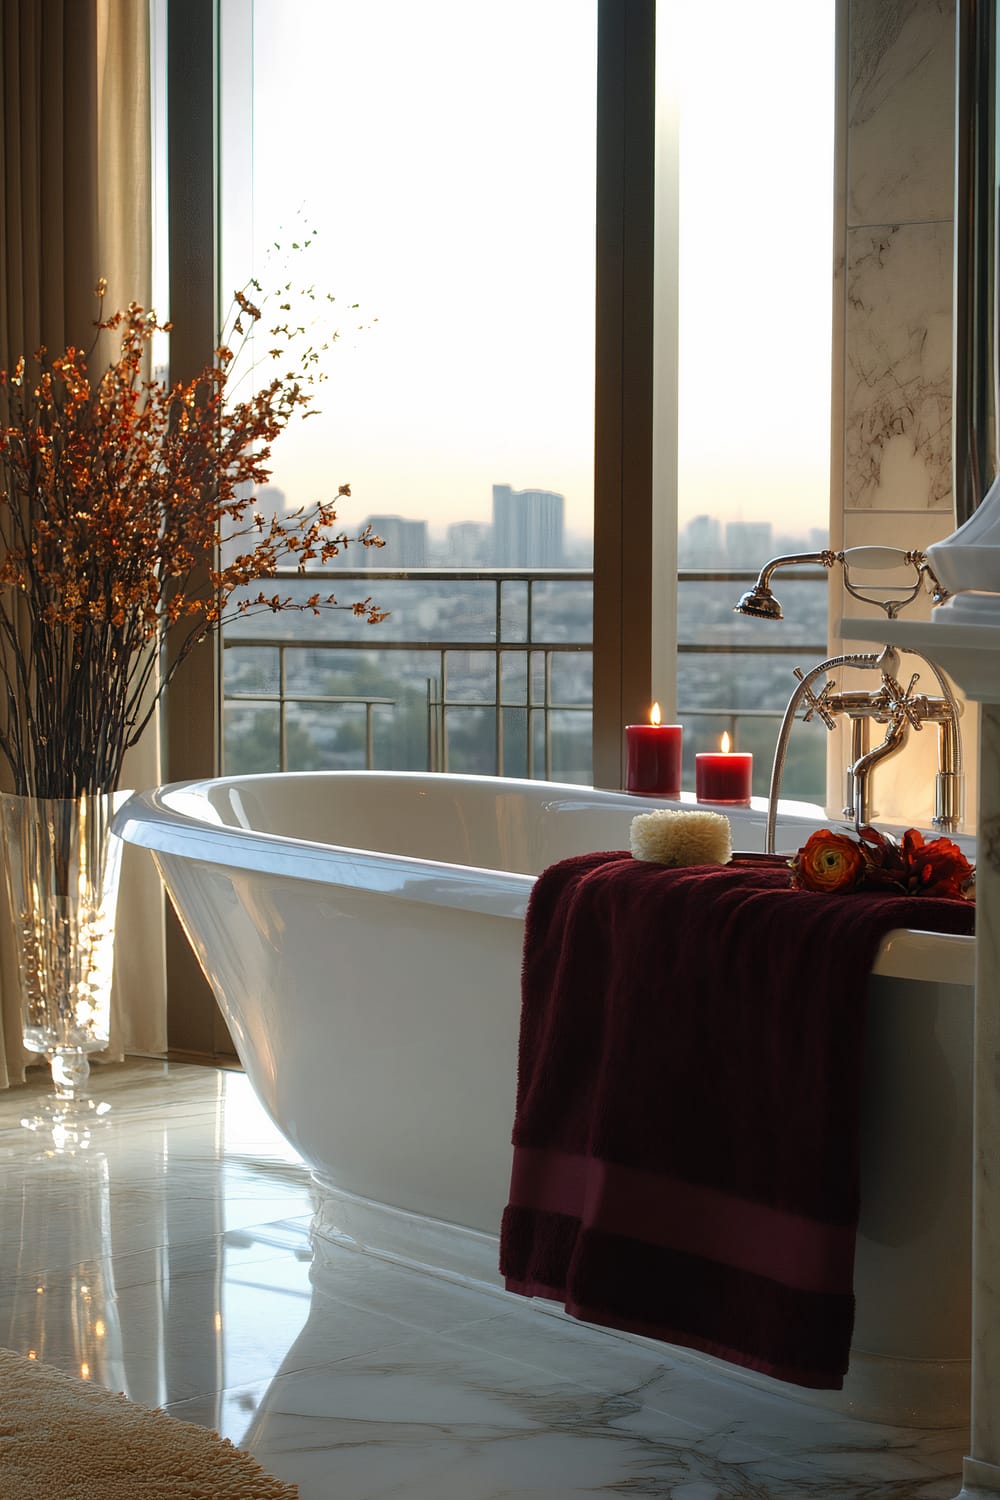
(172, 1259)
(901, 109)
(898, 376)
(990, 837)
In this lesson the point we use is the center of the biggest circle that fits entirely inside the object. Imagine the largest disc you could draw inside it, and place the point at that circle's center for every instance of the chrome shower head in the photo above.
(759, 603)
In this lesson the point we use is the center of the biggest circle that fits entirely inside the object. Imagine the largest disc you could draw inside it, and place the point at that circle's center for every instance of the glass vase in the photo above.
(63, 866)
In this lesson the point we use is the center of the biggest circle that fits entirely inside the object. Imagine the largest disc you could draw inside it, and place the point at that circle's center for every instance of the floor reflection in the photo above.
(170, 1257)
(151, 1207)
(64, 1308)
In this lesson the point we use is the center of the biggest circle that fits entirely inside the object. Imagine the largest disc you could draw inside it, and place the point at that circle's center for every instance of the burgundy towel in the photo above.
(686, 1139)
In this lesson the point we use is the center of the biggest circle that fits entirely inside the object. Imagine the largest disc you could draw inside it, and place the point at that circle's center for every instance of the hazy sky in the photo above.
(756, 246)
(444, 152)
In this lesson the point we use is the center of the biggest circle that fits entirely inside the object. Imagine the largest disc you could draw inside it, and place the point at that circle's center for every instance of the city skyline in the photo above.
(516, 539)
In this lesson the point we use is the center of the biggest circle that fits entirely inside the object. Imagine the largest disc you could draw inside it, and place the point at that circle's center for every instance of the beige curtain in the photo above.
(75, 204)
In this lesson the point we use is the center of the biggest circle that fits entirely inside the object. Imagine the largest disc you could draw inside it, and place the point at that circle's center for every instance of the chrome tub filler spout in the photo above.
(895, 704)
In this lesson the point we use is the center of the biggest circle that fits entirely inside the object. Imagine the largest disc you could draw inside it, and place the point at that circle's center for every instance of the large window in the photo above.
(441, 161)
(435, 164)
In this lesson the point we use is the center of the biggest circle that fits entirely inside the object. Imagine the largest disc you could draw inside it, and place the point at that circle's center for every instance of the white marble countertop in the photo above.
(969, 653)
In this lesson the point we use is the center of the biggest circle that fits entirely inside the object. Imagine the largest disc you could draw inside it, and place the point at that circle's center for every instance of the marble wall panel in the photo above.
(897, 410)
(900, 111)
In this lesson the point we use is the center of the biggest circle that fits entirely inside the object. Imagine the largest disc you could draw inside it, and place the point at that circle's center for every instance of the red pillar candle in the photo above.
(653, 764)
(723, 776)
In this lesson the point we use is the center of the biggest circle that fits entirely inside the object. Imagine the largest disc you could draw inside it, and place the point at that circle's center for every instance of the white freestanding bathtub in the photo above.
(362, 933)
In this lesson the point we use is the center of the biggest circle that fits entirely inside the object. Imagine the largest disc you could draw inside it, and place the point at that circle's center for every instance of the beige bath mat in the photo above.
(66, 1439)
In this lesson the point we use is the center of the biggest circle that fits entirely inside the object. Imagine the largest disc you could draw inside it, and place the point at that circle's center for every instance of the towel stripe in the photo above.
(679, 1299)
(658, 1210)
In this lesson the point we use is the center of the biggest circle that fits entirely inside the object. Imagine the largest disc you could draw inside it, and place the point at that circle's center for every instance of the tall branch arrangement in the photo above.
(115, 497)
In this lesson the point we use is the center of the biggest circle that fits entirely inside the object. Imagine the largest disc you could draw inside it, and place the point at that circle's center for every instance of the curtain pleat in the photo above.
(75, 205)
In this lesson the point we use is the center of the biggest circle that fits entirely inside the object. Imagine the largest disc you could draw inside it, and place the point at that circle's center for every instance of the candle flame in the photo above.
(654, 714)
(725, 743)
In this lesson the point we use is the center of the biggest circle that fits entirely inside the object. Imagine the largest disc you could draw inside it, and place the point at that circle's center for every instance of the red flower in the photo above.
(878, 862)
(885, 868)
(828, 862)
(938, 868)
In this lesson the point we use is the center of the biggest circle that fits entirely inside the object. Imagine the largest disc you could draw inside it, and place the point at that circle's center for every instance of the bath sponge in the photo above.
(669, 837)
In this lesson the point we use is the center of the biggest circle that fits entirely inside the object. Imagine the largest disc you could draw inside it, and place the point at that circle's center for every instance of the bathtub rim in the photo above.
(149, 820)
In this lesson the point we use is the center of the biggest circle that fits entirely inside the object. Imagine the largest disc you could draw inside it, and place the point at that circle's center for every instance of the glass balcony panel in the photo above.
(745, 691)
(737, 682)
(394, 675)
(514, 609)
(804, 775)
(314, 669)
(436, 609)
(515, 741)
(538, 733)
(570, 734)
(471, 676)
(251, 739)
(572, 677)
(326, 737)
(538, 678)
(253, 671)
(471, 739)
(514, 677)
(562, 611)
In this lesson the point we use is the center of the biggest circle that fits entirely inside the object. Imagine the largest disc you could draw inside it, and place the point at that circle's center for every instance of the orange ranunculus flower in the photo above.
(828, 862)
(938, 868)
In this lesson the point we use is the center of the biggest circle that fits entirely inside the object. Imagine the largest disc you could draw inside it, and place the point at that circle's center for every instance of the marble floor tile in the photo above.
(171, 1257)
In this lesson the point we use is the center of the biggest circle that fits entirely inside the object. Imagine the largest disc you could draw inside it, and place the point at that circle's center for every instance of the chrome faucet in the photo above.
(899, 708)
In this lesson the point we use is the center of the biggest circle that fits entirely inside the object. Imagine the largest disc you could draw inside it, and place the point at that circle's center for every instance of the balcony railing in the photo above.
(507, 650)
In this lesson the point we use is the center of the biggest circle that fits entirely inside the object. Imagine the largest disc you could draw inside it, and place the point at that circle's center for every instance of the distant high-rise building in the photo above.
(469, 545)
(815, 539)
(527, 528)
(700, 544)
(405, 544)
(748, 543)
(268, 501)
